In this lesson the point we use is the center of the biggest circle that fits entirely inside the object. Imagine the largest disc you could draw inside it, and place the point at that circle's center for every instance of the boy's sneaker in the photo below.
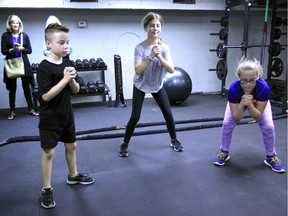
(275, 164)
(221, 158)
(80, 178)
(46, 199)
(123, 150)
(176, 145)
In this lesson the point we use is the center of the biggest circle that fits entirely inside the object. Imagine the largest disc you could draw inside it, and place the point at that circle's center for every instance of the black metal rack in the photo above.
(277, 85)
(106, 92)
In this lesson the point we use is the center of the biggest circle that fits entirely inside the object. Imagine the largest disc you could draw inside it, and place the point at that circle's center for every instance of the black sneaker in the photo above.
(46, 199)
(80, 178)
(176, 145)
(124, 150)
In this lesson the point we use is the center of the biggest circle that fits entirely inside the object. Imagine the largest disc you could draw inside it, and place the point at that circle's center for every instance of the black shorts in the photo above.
(50, 138)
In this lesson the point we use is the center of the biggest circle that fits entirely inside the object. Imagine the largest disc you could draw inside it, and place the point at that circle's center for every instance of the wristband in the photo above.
(150, 59)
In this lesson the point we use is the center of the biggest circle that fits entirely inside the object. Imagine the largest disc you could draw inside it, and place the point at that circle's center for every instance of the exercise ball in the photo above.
(178, 85)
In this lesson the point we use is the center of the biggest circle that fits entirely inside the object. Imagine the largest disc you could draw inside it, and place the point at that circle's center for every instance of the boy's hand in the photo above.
(70, 73)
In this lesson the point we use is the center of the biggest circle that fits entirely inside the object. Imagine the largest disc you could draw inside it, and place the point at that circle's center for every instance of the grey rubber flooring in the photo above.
(154, 180)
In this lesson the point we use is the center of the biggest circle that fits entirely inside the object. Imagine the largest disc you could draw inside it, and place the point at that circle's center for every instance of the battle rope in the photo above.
(140, 125)
(116, 135)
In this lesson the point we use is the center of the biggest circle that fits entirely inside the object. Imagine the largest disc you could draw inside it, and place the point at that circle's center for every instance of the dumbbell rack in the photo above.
(106, 92)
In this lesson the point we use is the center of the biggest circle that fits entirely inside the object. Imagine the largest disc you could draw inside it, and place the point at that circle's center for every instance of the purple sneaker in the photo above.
(275, 164)
(221, 158)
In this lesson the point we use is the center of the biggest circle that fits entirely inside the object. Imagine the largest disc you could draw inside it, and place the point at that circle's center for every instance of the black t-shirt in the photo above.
(56, 113)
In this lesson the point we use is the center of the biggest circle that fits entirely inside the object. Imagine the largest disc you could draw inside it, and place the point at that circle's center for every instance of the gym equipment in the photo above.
(93, 63)
(121, 127)
(277, 67)
(79, 64)
(223, 34)
(91, 87)
(119, 100)
(178, 85)
(83, 86)
(221, 49)
(278, 21)
(221, 69)
(285, 22)
(223, 21)
(100, 86)
(275, 49)
(277, 33)
(100, 63)
(86, 63)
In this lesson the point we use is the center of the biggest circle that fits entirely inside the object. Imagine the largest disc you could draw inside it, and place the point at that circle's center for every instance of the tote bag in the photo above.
(15, 67)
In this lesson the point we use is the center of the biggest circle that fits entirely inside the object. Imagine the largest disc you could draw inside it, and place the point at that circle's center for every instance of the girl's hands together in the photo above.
(155, 51)
(247, 100)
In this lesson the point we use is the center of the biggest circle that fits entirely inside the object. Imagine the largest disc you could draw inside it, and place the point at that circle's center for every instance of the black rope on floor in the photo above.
(116, 135)
(140, 125)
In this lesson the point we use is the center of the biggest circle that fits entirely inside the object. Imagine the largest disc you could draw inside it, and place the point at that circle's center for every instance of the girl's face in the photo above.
(58, 44)
(248, 80)
(154, 29)
(14, 25)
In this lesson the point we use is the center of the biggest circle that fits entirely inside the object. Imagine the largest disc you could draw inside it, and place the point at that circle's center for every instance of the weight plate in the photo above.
(221, 69)
(277, 67)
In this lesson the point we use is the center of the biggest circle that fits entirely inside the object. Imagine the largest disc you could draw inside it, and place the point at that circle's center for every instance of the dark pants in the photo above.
(162, 100)
(26, 89)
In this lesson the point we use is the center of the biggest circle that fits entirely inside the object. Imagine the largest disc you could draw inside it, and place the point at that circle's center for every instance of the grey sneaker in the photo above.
(176, 145)
(124, 150)
(46, 199)
(80, 178)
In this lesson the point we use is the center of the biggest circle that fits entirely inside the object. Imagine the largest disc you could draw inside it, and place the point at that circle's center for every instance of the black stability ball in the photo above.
(178, 86)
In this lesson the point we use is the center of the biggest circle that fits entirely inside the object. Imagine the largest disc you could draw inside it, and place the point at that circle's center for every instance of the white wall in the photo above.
(111, 31)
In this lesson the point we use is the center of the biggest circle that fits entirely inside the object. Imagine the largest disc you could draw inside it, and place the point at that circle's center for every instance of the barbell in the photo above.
(221, 49)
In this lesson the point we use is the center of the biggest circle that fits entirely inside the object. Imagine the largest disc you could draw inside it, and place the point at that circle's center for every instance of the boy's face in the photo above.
(58, 43)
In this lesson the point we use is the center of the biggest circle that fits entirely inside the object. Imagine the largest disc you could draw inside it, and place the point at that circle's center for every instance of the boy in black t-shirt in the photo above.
(56, 79)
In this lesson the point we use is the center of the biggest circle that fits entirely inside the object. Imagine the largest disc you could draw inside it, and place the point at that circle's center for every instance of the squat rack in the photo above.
(274, 47)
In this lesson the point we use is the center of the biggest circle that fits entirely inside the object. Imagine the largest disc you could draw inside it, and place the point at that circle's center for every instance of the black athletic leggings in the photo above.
(26, 89)
(162, 100)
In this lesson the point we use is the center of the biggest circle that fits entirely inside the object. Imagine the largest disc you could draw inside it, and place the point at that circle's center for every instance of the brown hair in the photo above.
(151, 16)
(54, 27)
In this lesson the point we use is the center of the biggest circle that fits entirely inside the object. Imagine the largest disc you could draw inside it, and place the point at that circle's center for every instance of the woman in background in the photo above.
(11, 47)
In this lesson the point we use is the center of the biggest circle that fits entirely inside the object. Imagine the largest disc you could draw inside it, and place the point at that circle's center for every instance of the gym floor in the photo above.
(154, 180)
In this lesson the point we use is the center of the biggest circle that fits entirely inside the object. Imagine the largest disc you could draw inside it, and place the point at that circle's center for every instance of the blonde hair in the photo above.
(12, 18)
(251, 64)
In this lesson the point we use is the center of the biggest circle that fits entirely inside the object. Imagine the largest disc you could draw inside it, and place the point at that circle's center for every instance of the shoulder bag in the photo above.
(15, 67)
